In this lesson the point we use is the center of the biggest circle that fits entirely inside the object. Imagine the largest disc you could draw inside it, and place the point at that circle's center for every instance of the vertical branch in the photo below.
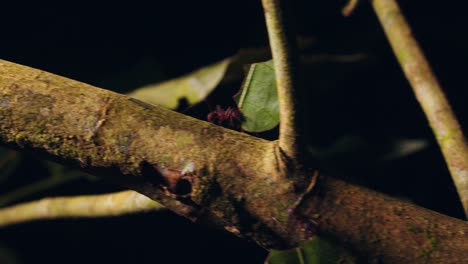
(428, 92)
(284, 52)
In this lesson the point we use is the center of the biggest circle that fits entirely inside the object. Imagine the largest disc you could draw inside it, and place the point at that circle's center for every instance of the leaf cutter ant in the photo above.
(230, 118)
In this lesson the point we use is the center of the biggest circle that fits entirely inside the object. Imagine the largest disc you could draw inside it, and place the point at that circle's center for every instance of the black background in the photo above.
(123, 46)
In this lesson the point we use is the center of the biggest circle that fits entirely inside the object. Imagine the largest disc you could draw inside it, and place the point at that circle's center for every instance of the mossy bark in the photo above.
(383, 229)
(197, 169)
(188, 165)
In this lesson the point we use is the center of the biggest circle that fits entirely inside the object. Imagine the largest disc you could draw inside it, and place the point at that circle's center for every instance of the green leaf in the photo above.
(293, 256)
(314, 251)
(194, 87)
(258, 99)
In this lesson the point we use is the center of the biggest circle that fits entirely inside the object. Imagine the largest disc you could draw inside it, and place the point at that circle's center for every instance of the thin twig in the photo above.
(79, 206)
(428, 92)
(349, 8)
(36, 187)
(284, 52)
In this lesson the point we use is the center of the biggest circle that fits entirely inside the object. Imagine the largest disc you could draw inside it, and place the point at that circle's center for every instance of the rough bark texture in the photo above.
(195, 168)
(383, 229)
(186, 164)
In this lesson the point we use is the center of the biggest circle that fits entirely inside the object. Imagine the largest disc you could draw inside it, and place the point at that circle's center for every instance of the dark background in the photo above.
(120, 47)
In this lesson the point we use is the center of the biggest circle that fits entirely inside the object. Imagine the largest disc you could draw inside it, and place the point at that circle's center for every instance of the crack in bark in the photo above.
(101, 118)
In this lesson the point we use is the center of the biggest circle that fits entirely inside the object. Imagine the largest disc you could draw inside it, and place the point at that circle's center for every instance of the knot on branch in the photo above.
(175, 183)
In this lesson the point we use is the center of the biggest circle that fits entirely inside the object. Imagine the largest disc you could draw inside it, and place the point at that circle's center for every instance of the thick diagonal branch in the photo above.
(190, 166)
(195, 168)
(383, 229)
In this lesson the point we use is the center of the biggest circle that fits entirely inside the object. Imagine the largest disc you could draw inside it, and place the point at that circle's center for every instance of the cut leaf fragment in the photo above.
(258, 99)
(194, 87)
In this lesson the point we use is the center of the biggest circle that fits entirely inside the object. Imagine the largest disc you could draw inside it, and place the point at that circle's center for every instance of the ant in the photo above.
(230, 118)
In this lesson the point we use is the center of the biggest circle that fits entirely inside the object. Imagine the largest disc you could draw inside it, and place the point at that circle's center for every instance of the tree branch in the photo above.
(160, 153)
(349, 8)
(78, 206)
(428, 92)
(237, 181)
(285, 59)
(385, 230)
